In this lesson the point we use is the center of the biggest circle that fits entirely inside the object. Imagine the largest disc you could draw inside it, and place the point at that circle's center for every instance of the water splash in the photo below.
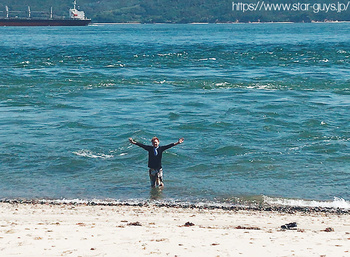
(90, 154)
(336, 203)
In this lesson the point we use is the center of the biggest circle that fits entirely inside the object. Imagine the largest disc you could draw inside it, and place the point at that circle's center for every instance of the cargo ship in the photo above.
(76, 18)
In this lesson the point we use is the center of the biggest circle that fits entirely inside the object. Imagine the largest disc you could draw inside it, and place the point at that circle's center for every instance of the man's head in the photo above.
(155, 141)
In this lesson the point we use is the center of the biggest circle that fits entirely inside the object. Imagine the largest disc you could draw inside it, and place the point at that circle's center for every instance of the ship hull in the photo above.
(40, 22)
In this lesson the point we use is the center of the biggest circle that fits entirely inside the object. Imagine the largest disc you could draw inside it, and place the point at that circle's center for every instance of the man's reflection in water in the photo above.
(156, 193)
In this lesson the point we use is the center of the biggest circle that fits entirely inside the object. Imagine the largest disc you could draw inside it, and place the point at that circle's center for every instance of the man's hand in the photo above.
(132, 141)
(181, 140)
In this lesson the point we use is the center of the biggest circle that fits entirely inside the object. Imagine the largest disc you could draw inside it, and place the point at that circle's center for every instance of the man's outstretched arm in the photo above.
(173, 144)
(146, 147)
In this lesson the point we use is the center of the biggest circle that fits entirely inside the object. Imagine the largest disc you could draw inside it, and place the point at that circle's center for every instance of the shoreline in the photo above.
(219, 23)
(44, 229)
(263, 207)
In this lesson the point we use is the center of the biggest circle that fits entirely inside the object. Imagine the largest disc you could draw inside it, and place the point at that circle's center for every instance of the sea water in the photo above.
(264, 110)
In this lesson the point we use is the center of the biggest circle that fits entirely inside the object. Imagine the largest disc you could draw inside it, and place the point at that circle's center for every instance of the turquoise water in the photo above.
(264, 110)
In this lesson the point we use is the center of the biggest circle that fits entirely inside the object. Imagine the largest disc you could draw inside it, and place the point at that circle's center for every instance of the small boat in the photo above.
(76, 18)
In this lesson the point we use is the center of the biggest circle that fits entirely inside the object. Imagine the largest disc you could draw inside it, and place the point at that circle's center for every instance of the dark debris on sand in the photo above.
(292, 225)
(189, 224)
(134, 224)
(248, 228)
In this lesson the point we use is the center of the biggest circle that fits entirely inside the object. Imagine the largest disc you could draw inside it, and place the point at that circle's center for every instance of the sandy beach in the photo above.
(82, 230)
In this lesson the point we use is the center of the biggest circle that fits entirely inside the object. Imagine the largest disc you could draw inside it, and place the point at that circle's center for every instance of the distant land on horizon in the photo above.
(184, 11)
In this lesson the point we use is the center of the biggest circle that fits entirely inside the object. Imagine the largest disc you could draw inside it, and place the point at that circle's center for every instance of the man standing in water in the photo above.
(155, 159)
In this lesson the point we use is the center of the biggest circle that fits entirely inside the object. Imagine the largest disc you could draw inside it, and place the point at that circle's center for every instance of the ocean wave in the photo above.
(336, 203)
(90, 154)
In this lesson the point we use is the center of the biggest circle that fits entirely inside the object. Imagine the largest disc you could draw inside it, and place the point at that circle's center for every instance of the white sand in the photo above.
(68, 230)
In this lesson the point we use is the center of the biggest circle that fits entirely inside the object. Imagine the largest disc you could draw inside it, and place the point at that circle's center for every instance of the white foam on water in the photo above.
(90, 154)
(336, 203)
(95, 201)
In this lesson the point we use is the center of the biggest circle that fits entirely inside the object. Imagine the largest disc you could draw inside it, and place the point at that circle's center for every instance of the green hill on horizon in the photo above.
(184, 11)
